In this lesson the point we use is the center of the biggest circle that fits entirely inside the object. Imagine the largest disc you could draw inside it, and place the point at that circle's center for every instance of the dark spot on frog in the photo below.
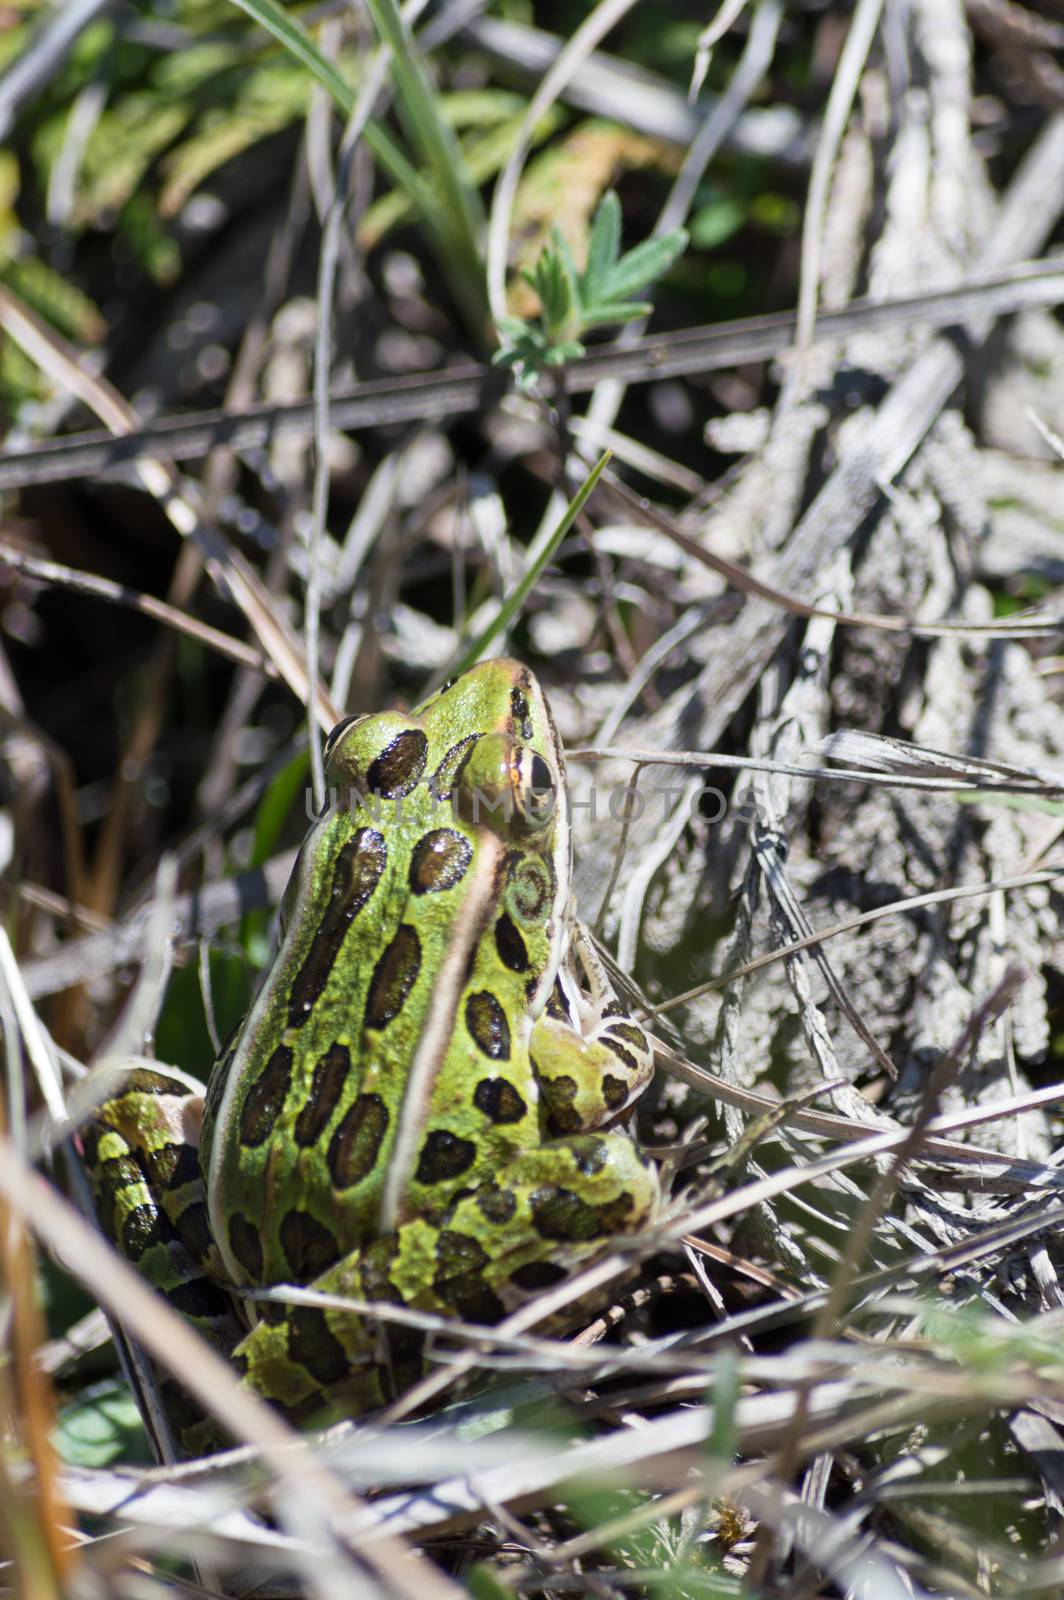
(631, 1033)
(446, 775)
(246, 1244)
(219, 1078)
(171, 1166)
(559, 1095)
(266, 1097)
(144, 1081)
(623, 1054)
(614, 1090)
(472, 1298)
(459, 1281)
(457, 1252)
(399, 766)
(331, 1072)
(560, 1214)
(591, 1155)
(194, 1231)
(337, 733)
(200, 1298)
(522, 711)
(510, 945)
(356, 873)
(536, 1275)
(487, 1023)
(557, 1004)
(143, 1227)
(444, 1156)
(499, 1100)
(439, 861)
(354, 1147)
(313, 1346)
(393, 977)
(496, 1205)
(309, 1247)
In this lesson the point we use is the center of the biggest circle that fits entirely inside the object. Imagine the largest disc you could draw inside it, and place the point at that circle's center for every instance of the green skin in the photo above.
(409, 1112)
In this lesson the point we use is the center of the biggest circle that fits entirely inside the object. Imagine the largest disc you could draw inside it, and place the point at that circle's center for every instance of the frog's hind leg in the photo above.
(591, 1060)
(544, 1213)
(547, 1212)
(319, 1364)
(141, 1157)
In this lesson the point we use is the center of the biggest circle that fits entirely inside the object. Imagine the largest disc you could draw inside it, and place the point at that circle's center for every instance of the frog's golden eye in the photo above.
(505, 787)
(536, 788)
(338, 732)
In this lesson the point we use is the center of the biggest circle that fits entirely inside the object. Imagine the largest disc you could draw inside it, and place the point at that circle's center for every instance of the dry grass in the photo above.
(802, 644)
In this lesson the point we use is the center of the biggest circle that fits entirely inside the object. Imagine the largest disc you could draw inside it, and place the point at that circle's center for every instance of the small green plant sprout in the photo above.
(573, 302)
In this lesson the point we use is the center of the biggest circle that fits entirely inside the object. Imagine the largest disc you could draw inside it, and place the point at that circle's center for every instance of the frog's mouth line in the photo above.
(437, 1028)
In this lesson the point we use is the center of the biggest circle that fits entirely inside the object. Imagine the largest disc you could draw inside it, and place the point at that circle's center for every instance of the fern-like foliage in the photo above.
(573, 302)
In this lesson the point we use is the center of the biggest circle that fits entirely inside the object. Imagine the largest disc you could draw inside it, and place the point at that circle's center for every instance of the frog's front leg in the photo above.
(592, 1061)
(543, 1214)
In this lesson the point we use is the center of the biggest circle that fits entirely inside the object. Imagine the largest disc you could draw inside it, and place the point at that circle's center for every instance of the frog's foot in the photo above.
(592, 1061)
(140, 1154)
(546, 1212)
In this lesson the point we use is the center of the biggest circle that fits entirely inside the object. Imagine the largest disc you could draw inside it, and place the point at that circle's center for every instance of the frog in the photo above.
(425, 1104)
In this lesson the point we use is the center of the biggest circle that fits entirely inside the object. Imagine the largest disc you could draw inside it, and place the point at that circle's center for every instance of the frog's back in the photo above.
(385, 1064)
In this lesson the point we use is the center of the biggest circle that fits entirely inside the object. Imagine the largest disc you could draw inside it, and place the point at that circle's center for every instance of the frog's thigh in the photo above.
(317, 1363)
(587, 1079)
(140, 1152)
(545, 1212)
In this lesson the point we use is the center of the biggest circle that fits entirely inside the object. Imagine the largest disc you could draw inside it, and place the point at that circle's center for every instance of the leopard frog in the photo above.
(413, 1109)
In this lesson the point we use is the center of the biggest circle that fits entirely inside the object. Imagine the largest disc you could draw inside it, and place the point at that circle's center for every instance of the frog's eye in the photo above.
(538, 790)
(382, 755)
(338, 732)
(505, 787)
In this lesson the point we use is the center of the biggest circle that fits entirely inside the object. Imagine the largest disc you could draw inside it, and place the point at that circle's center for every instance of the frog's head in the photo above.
(485, 743)
(483, 749)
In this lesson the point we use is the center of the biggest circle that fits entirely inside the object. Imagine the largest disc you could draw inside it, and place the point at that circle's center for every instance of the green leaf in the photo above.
(561, 246)
(556, 287)
(572, 302)
(716, 222)
(616, 311)
(102, 1426)
(646, 262)
(603, 248)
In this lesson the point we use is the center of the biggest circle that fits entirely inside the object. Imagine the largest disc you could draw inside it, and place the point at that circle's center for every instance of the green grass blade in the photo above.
(438, 149)
(514, 601)
(290, 32)
(445, 200)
